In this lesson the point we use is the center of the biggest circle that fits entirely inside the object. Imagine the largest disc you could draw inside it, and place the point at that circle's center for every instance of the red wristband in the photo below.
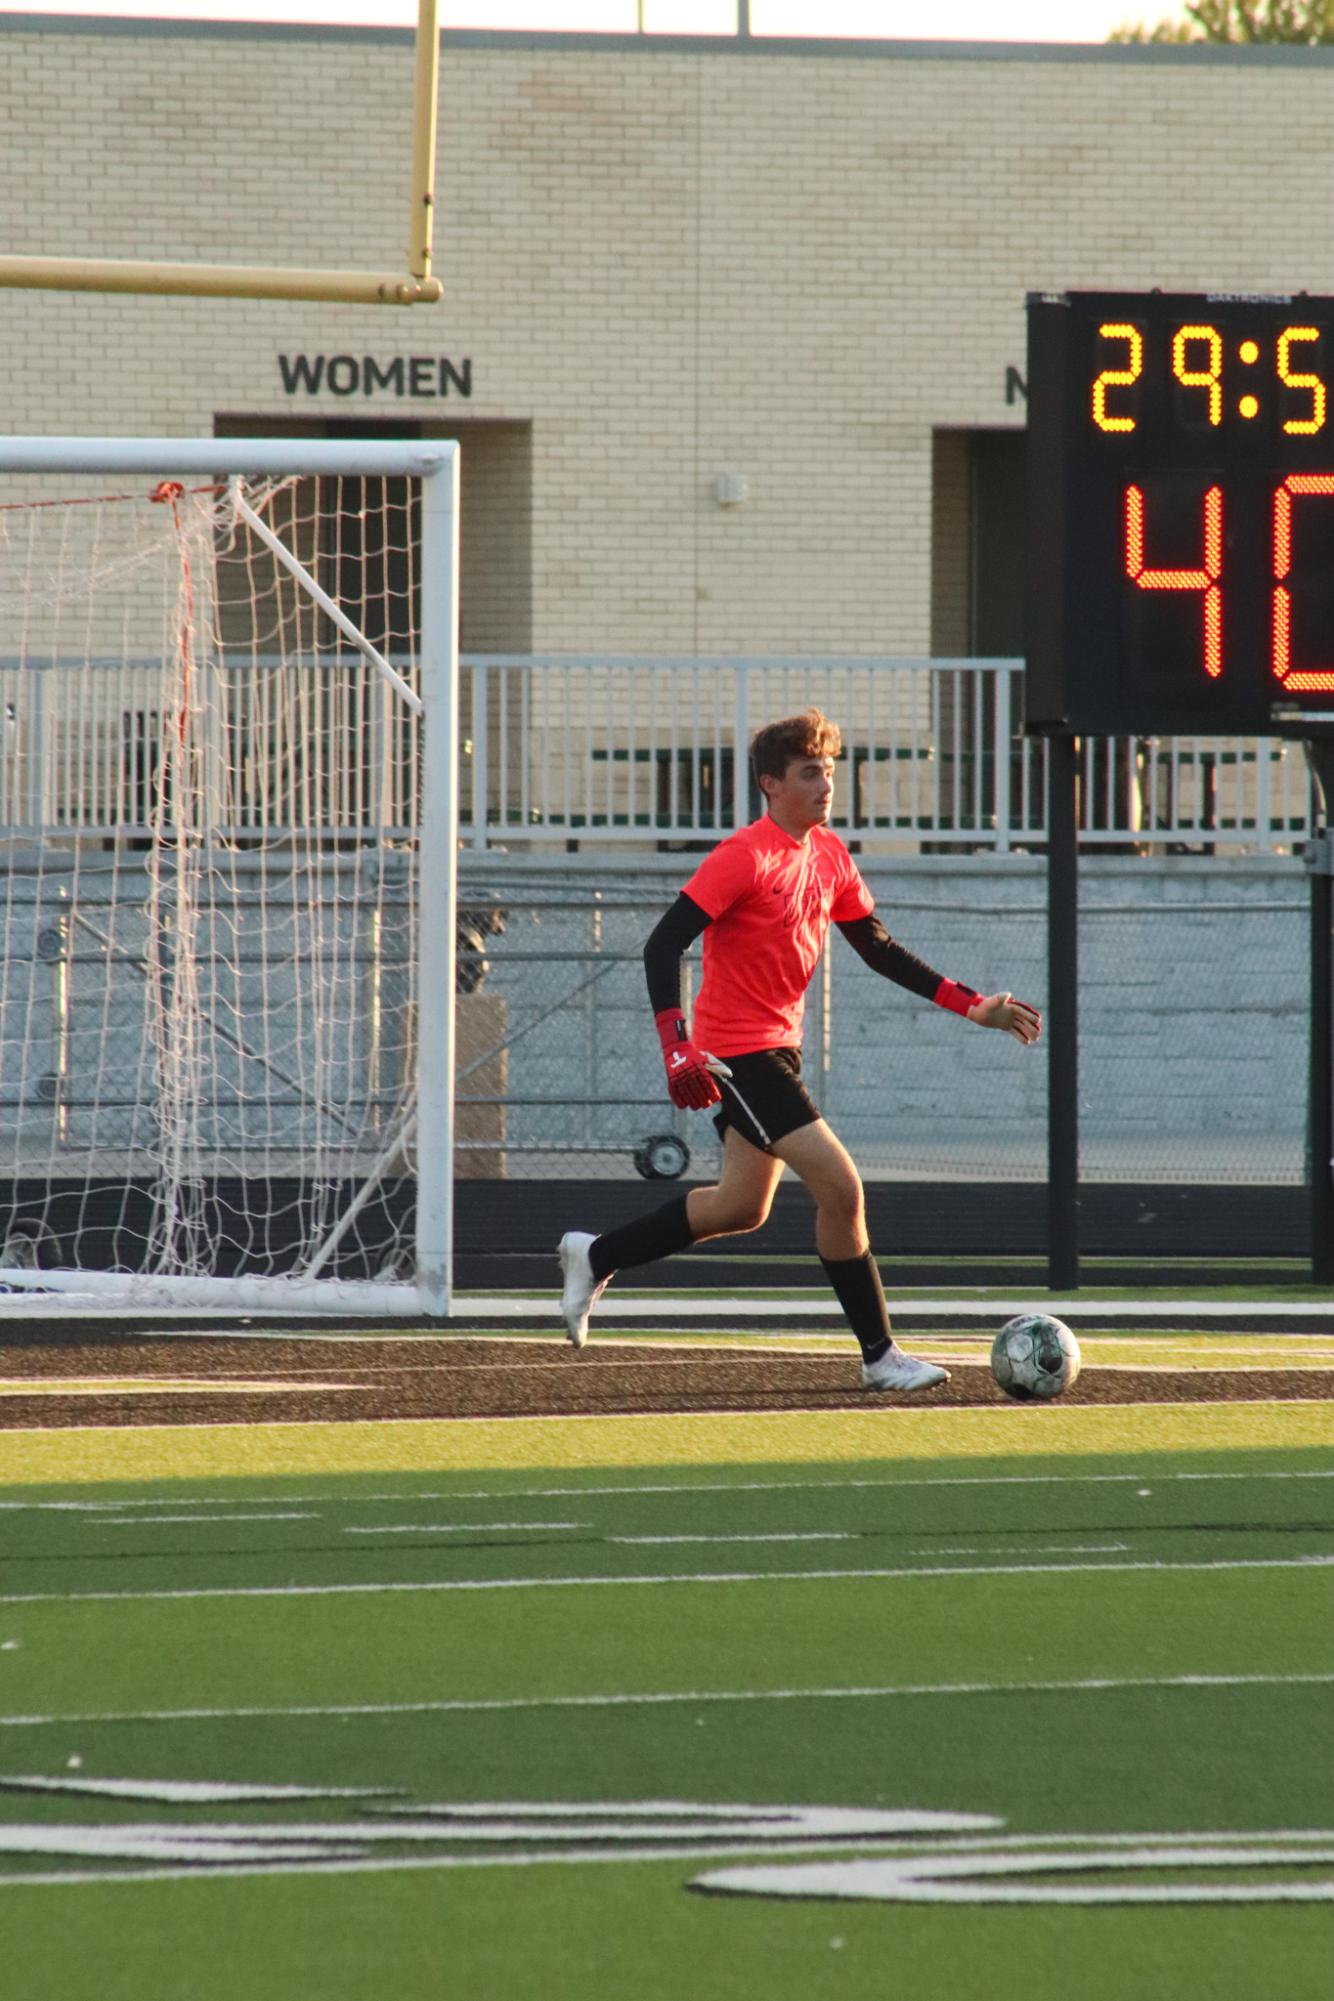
(671, 1027)
(953, 995)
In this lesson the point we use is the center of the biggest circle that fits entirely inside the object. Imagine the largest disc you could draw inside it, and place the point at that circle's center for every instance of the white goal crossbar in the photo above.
(71, 962)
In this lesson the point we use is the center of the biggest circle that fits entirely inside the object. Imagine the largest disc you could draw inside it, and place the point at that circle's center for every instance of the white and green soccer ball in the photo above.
(1035, 1357)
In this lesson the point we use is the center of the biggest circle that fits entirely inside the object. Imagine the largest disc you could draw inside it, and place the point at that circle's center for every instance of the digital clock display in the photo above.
(1181, 513)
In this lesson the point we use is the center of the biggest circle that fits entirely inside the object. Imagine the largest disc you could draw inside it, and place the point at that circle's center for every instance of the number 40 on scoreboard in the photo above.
(1180, 514)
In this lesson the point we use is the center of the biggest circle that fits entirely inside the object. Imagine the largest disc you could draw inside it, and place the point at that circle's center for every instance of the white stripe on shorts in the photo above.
(728, 1085)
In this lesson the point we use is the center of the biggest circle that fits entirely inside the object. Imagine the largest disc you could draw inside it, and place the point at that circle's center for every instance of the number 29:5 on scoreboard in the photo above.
(1180, 513)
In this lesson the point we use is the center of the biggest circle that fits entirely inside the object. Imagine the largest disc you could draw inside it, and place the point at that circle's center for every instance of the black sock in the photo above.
(856, 1282)
(641, 1242)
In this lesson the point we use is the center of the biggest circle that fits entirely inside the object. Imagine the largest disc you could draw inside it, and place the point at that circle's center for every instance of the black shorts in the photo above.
(766, 1099)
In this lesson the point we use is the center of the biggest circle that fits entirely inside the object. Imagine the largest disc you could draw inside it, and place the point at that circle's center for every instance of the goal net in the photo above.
(227, 814)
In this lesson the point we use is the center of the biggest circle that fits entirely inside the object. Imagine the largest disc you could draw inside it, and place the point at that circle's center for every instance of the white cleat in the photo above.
(582, 1291)
(897, 1371)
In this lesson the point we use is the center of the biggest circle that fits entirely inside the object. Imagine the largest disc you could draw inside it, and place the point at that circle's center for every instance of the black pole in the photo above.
(1062, 1013)
(1320, 1117)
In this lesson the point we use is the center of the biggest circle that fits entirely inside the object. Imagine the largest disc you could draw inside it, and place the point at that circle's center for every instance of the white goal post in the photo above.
(228, 861)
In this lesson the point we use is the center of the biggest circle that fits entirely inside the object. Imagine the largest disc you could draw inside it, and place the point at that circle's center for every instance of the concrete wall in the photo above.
(1193, 1009)
(1193, 1014)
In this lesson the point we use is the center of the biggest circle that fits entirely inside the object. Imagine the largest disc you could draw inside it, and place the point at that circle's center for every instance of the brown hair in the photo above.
(774, 747)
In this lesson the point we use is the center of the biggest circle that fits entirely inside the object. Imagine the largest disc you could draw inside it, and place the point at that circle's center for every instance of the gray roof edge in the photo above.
(1197, 53)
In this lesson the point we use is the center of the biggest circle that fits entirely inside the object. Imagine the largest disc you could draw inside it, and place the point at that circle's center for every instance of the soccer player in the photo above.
(764, 900)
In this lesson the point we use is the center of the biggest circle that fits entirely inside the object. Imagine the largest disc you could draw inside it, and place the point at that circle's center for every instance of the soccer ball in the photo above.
(1034, 1356)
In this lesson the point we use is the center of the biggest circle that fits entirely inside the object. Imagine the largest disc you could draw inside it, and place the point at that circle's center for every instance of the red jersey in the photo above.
(772, 900)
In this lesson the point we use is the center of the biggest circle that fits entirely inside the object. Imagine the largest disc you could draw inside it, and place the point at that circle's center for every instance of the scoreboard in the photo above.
(1180, 514)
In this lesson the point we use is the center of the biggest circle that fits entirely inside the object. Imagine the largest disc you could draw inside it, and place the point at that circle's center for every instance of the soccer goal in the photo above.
(228, 842)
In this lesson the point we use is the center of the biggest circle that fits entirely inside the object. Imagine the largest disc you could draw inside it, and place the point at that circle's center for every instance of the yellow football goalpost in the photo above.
(415, 287)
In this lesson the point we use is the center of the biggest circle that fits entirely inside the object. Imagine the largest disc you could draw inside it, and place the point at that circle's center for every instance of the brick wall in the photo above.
(671, 261)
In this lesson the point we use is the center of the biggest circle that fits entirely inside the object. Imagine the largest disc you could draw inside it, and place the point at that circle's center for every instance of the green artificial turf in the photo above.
(483, 1695)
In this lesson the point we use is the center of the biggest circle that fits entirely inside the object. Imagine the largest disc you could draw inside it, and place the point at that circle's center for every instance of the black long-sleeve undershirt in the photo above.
(883, 954)
(667, 943)
(678, 929)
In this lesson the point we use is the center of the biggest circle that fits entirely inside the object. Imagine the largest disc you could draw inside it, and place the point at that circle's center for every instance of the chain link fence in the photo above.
(1193, 1025)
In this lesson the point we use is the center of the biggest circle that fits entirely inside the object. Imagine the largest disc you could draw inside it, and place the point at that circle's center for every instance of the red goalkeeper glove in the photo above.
(689, 1076)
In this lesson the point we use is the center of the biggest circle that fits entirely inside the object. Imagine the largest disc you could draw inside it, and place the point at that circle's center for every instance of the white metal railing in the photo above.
(321, 743)
(623, 749)
(613, 748)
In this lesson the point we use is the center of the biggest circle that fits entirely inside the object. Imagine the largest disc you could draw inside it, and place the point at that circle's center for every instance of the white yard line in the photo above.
(140, 1386)
(1037, 1549)
(656, 1487)
(196, 1521)
(665, 1698)
(801, 1535)
(693, 1577)
(1307, 1365)
(866, 1407)
(1136, 1480)
(820, 1305)
(810, 1340)
(456, 1528)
